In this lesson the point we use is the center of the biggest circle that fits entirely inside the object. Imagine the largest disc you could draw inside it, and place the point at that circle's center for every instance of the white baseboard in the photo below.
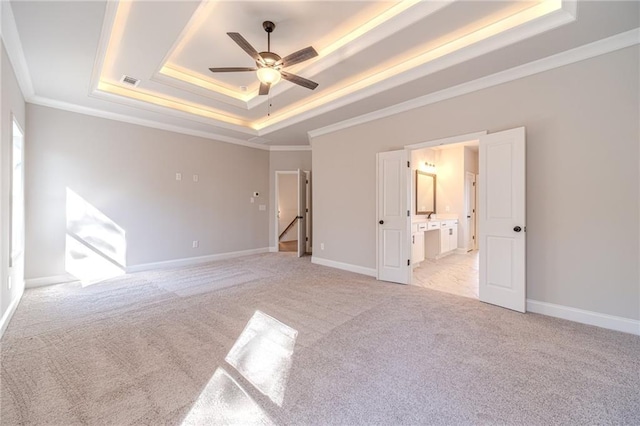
(273, 250)
(344, 266)
(6, 318)
(176, 263)
(45, 281)
(610, 322)
(194, 260)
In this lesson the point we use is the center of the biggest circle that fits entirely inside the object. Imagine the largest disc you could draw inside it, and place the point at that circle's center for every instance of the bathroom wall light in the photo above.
(430, 167)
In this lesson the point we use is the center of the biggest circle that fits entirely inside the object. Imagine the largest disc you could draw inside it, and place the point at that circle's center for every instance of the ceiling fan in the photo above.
(269, 65)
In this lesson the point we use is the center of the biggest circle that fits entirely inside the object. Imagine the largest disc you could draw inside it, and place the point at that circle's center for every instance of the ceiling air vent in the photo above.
(130, 80)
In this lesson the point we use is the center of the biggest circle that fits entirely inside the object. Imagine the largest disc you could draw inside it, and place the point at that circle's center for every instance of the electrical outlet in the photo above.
(262, 207)
(321, 246)
(178, 176)
(195, 244)
(253, 200)
(9, 282)
(196, 178)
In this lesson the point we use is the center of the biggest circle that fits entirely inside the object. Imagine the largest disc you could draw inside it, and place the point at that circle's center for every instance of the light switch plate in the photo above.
(263, 207)
(196, 178)
(178, 176)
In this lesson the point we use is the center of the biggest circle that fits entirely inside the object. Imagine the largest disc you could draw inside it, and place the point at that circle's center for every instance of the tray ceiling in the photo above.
(366, 49)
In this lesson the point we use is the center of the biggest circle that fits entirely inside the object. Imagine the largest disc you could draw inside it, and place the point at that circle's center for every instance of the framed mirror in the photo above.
(425, 193)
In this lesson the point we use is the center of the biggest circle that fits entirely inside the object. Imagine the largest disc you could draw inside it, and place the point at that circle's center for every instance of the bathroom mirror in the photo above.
(425, 193)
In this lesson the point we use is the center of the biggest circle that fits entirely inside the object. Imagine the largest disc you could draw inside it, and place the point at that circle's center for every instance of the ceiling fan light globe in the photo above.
(268, 75)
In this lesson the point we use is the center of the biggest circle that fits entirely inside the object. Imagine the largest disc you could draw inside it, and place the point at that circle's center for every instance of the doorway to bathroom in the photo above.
(443, 218)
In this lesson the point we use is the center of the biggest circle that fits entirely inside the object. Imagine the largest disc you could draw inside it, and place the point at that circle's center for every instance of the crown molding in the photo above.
(591, 50)
(290, 148)
(52, 103)
(11, 40)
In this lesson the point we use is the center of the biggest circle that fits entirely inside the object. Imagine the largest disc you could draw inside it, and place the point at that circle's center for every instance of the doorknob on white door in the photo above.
(381, 222)
(517, 229)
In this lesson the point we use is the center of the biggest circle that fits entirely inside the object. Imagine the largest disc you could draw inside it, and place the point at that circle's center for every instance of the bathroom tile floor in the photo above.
(455, 274)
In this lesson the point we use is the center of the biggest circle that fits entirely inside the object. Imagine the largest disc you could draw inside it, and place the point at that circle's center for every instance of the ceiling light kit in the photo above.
(269, 65)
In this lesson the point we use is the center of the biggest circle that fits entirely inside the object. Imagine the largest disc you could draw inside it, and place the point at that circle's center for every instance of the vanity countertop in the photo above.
(423, 219)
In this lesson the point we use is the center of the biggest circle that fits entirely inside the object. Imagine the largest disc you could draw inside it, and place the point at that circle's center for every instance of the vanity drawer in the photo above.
(449, 223)
(433, 225)
(422, 227)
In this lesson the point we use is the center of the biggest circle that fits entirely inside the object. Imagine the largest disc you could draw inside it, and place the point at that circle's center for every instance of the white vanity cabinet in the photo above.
(442, 240)
(448, 236)
(417, 242)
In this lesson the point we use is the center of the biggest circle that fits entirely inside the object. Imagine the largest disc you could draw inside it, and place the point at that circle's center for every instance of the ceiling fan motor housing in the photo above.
(270, 58)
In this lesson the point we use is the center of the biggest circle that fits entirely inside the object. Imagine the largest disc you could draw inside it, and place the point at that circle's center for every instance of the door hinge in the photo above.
(408, 213)
(306, 238)
(474, 184)
(408, 164)
(308, 182)
(408, 262)
(307, 210)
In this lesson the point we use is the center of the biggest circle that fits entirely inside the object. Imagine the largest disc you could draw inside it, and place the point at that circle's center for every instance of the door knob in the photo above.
(381, 222)
(517, 229)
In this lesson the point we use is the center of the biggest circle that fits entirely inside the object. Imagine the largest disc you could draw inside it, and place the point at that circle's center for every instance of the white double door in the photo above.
(501, 218)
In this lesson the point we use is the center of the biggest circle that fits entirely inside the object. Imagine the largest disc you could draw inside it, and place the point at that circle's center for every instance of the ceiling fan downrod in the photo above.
(268, 27)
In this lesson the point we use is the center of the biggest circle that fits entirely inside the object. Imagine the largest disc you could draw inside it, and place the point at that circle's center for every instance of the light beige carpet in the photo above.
(273, 339)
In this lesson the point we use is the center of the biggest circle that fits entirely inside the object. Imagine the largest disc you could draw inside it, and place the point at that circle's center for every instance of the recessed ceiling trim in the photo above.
(103, 43)
(587, 51)
(197, 90)
(356, 40)
(532, 21)
(371, 33)
(52, 103)
(117, 95)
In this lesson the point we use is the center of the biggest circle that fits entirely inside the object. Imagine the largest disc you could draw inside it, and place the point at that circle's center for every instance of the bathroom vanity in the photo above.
(433, 239)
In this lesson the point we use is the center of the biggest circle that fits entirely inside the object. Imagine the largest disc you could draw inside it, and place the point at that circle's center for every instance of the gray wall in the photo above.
(128, 173)
(582, 177)
(284, 161)
(12, 103)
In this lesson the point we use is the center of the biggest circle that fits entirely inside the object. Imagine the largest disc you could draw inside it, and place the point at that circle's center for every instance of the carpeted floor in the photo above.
(273, 339)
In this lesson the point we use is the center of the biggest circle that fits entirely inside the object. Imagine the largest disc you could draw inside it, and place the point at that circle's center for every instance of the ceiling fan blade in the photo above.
(244, 44)
(300, 81)
(299, 56)
(233, 69)
(264, 89)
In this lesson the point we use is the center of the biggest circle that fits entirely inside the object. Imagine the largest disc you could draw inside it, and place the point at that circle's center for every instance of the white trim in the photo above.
(8, 314)
(587, 51)
(610, 322)
(176, 263)
(273, 250)
(290, 148)
(371, 272)
(12, 43)
(447, 141)
(51, 103)
(103, 43)
(46, 281)
(503, 39)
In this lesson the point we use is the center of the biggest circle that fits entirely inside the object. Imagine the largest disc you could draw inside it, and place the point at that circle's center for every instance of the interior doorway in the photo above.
(292, 211)
(444, 253)
(430, 228)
